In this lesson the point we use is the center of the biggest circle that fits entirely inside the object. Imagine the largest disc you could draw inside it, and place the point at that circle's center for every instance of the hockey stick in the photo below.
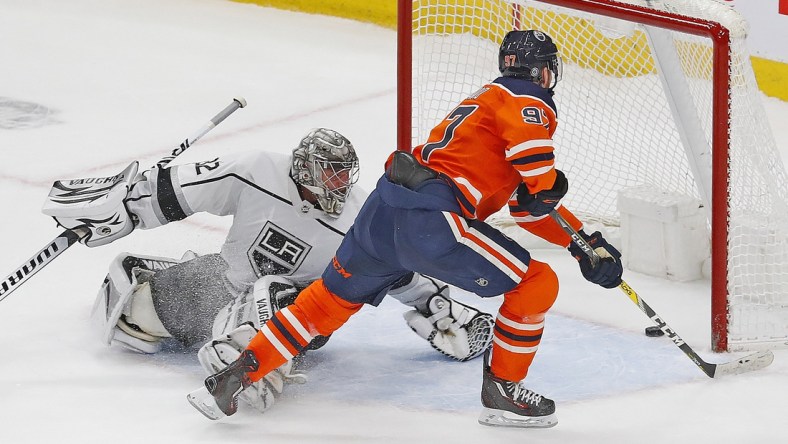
(69, 237)
(754, 361)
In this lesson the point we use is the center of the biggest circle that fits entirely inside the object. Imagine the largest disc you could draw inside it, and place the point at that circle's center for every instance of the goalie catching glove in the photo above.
(457, 330)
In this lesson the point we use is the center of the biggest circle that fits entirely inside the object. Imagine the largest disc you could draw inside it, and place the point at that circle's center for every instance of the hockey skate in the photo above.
(509, 404)
(224, 388)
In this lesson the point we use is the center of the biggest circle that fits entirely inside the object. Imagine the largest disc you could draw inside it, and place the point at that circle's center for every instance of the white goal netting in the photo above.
(634, 108)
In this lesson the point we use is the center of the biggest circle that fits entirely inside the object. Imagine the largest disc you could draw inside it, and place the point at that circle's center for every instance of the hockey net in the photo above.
(651, 88)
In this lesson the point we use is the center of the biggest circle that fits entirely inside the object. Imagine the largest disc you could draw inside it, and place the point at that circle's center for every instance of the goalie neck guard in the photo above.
(326, 164)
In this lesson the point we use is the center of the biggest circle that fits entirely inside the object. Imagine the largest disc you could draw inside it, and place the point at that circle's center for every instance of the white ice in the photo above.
(105, 82)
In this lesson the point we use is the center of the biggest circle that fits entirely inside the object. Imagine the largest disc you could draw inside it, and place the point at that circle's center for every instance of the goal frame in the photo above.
(720, 37)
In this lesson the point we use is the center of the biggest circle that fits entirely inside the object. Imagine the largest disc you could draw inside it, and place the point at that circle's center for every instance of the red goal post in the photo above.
(678, 77)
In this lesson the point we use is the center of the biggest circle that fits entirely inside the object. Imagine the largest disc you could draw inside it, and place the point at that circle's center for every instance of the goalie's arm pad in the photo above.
(94, 207)
(215, 186)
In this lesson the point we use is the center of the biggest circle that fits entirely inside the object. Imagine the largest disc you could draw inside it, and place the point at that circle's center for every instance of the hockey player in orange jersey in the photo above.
(427, 215)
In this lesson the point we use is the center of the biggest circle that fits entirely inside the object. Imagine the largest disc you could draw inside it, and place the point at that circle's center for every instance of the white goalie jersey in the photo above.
(274, 231)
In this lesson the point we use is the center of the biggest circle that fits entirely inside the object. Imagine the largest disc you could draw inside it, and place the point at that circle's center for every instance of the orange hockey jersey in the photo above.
(492, 141)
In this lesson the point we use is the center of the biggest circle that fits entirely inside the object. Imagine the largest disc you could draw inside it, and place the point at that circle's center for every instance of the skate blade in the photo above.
(502, 418)
(204, 402)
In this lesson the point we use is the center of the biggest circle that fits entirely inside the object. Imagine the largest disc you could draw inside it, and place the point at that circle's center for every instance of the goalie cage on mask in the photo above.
(326, 164)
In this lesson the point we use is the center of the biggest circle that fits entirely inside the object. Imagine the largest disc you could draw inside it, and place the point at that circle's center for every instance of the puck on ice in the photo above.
(654, 331)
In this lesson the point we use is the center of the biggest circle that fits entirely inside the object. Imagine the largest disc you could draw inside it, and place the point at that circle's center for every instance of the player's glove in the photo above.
(543, 202)
(608, 270)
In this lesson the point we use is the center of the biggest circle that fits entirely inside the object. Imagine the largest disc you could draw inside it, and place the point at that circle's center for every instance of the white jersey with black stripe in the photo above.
(273, 230)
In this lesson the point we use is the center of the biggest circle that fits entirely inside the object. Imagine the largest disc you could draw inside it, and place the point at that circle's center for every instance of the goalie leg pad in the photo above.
(270, 294)
(221, 352)
(126, 280)
(142, 313)
(459, 331)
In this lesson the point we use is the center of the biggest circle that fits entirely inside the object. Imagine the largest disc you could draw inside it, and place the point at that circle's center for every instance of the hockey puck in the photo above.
(654, 332)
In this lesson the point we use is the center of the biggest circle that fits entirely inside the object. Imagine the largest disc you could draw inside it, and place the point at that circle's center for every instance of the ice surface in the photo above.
(89, 85)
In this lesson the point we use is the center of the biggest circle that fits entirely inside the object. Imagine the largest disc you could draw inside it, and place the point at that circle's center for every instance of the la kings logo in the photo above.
(275, 251)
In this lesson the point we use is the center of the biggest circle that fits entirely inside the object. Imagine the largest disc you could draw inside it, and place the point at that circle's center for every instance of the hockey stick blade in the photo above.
(755, 361)
(204, 402)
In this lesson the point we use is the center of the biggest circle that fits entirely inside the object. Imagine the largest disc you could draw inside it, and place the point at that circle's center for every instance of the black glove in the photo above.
(544, 201)
(608, 270)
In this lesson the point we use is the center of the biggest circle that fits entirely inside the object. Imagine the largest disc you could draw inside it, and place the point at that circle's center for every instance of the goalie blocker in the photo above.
(94, 206)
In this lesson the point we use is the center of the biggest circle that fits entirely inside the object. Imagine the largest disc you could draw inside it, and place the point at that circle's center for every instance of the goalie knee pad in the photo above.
(124, 308)
(270, 294)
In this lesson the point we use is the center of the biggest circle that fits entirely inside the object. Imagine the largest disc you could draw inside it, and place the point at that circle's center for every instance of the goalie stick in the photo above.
(69, 237)
(754, 361)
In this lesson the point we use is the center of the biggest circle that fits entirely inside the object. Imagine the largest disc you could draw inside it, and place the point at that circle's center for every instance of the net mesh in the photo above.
(618, 129)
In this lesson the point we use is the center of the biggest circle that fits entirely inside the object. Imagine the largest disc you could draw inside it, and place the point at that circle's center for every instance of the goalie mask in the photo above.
(326, 164)
(524, 54)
